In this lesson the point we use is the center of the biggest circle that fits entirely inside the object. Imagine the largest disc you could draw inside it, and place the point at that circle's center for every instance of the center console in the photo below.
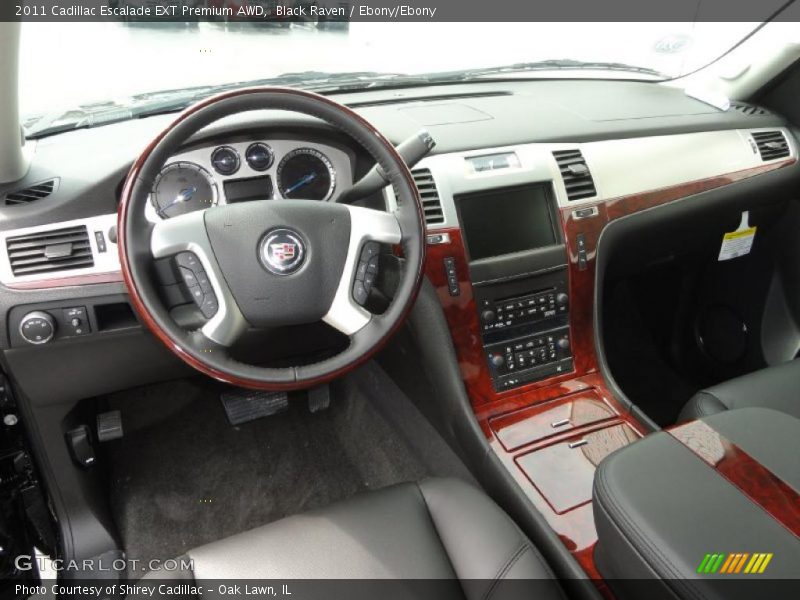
(516, 258)
(719, 517)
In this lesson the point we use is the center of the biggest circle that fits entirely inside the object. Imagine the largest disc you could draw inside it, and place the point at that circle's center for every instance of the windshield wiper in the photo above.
(543, 65)
(169, 101)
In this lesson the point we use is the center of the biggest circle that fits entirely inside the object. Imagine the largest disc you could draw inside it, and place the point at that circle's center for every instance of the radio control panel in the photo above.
(511, 312)
(525, 329)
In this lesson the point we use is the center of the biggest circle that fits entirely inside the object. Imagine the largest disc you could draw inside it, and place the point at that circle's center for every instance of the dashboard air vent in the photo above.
(771, 144)
(575, 173)
(749, 109)
(430, 196)
(48, 251)
(29, 194)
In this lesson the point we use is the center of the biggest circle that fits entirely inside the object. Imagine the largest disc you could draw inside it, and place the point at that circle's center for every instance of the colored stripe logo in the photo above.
(735, 563)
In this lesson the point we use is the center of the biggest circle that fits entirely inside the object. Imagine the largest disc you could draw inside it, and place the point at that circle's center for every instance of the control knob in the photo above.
(488, 316)
(563, 343)
(562, 299)
(37, 327)
(497, 360)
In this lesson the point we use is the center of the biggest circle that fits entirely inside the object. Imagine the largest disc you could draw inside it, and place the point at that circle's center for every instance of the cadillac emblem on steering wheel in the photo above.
(282, 251)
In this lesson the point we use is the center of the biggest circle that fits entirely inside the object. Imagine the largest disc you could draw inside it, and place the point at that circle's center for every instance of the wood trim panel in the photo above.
(72, 280)
(753, 479)
(497, 411)
(547, 419)
(575, 526)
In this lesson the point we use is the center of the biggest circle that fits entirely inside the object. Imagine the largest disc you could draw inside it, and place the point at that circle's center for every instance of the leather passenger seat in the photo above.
(775, 387)
(441, 529)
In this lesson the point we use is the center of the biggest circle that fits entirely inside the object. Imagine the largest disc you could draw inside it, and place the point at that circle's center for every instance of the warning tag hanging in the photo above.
(740, 242)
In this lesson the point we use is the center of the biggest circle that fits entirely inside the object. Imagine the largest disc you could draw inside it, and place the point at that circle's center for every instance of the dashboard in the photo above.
(524, 178)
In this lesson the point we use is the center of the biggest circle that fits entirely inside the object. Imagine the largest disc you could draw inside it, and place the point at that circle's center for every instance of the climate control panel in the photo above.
(530, 358)
(524, 326)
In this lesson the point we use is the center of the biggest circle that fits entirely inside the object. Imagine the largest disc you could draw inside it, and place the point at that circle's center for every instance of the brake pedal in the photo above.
(109, 426)
(243, 406)
(319, 398)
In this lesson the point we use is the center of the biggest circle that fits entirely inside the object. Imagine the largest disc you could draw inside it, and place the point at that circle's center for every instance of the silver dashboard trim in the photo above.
(619, 167)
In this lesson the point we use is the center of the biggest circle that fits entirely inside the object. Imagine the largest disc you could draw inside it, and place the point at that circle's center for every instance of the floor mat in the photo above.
(182, 476)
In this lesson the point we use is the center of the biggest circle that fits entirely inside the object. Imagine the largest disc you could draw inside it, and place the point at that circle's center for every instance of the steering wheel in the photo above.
(271, 263)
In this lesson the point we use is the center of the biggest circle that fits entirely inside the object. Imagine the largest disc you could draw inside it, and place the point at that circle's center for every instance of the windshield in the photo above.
(65, 66)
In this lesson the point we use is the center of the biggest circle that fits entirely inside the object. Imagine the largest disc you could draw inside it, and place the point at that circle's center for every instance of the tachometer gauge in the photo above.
(183, 188)
(306, 173)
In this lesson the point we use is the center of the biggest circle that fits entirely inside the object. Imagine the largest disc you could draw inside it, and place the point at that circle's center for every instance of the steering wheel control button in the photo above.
(225, 160)
(188, 260)
(197, 283)
(209, 306)
(282, 251)
(370, 250)
(188, 276)
(366, 271)
(360, 292)
(37, 327)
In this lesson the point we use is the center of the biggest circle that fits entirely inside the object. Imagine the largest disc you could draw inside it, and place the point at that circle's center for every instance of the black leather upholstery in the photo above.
(659, 509)
(440, 529)
(775, 387)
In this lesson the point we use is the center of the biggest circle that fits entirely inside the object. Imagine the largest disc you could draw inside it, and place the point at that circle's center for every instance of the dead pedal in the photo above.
(319, 398)
(243, 406)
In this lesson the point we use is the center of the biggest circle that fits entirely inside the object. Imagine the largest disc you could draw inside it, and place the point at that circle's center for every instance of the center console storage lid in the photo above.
(709, 509)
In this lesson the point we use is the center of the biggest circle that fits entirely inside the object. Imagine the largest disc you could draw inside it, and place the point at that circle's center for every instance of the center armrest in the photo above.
(702, 506)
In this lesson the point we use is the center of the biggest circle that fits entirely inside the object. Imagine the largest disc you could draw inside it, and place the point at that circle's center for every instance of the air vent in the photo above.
(48, 251)
(749, 109)
(771, 144)
(430, 196)
(575, 173)
(32, 193)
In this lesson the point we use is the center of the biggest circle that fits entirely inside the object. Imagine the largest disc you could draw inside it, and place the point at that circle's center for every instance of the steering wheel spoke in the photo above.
(368, 229)
(186, 237)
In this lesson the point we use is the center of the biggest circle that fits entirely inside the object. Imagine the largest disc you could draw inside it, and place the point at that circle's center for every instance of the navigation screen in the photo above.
(506, 221)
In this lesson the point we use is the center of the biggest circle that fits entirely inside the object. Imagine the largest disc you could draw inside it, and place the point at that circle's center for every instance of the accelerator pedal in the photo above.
(242, 406)
(319, 398)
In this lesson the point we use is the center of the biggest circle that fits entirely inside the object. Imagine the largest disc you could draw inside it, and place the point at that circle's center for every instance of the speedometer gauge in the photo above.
(183, 188)
(306, 173)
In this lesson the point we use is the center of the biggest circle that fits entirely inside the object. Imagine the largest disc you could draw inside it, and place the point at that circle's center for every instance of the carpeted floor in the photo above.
(182, 476)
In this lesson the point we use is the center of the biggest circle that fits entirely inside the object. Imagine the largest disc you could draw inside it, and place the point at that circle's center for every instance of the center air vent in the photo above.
(29, 194)
(49, 251)
(771, 144)
(430, 196)
(575, 173)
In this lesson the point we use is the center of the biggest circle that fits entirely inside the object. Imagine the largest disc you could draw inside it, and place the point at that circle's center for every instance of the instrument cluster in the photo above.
(241, 171)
